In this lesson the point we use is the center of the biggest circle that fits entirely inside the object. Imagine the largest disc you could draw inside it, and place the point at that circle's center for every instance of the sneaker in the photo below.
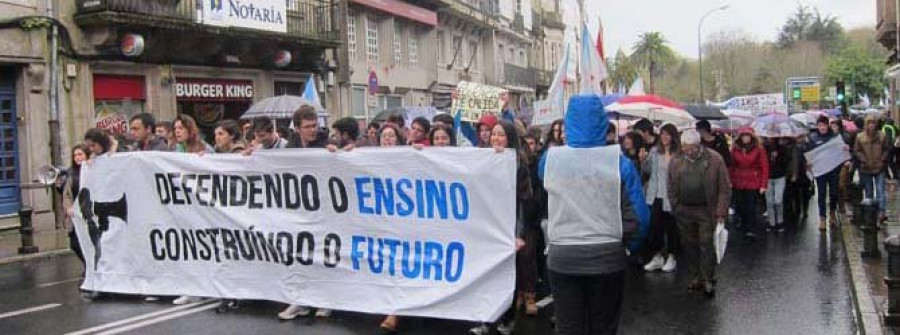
(779, 228)
(151, 298)
(506, 328)
(670, 264)
(323, 313)
(186, 299)
(293, 311)
(480, 330)
(749, 235)
(655, 264)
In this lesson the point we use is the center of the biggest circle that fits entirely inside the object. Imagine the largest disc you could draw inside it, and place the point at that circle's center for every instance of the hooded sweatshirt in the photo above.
(587, 232)
(871, 149)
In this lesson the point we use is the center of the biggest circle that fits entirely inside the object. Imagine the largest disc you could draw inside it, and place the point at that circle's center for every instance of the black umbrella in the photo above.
(704, 112)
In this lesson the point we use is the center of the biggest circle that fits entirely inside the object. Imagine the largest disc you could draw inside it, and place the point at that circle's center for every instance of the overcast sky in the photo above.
(624, 20)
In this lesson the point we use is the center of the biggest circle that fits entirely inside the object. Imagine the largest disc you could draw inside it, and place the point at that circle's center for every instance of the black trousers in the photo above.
(587, 304)
(746, 209)
(663, 237)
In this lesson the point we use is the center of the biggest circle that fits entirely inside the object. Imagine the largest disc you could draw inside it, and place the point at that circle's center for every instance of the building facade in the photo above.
(887, 27)
(25, 123)
(207, 59)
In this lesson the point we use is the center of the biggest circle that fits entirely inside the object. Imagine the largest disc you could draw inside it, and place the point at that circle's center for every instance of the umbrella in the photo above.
(609, 99)
(383, 115)
(651, 107)
(736, 119)
(777, 125)
(280, 107)
(705, 112)
(808, 119)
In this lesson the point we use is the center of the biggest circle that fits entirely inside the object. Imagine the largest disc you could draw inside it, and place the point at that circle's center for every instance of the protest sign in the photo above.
(388, 231)
(428, 112)
(828, 156)
(545, 112)
(472, 100)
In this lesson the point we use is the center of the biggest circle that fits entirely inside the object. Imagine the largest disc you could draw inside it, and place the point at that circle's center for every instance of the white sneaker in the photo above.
(186, 299)
(670, 264)
(480, 330)
(655, 264)
(293, 311)
(151, 298)
(323, 313)
(506, 328)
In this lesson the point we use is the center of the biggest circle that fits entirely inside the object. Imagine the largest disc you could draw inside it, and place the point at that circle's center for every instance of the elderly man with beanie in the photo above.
(871, 150)
(699, 171)
(594, 211)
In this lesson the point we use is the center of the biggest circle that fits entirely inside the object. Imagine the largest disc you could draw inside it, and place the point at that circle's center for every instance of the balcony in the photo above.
(518, 23)
(307, 21)
(553, 20)
(543, 78)
(485, 13)
(514, 75)
(886, 28)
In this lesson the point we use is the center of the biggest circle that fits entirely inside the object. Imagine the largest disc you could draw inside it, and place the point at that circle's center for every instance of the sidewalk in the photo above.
(867, 274)
(49, 242)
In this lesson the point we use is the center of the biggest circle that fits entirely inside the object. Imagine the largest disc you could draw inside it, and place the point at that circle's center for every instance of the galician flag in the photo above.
(310, 94)
(556, 93)
(593, 71)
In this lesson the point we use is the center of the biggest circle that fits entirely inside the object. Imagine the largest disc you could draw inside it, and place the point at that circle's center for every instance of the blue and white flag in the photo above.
(593, 71)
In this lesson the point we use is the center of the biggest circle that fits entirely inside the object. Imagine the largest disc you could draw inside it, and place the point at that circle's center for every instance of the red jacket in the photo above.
(749, 170)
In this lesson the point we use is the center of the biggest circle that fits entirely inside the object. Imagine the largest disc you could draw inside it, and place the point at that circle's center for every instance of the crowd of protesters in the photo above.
(676, 187)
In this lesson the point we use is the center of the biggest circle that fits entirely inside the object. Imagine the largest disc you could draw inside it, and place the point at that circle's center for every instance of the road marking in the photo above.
(28, 310)
(142, 317)
(54, 283)
(545, 302)
(158, 320)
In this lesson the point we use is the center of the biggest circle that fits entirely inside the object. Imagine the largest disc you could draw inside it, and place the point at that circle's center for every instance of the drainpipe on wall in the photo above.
(53, 123)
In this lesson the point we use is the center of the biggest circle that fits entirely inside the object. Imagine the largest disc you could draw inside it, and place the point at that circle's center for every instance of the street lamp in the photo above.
(700, 46)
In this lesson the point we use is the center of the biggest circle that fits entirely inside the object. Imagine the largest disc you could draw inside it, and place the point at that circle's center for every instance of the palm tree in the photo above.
(653, 54)
(622, 72)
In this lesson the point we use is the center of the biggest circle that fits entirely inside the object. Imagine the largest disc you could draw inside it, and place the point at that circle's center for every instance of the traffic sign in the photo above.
(810, 93)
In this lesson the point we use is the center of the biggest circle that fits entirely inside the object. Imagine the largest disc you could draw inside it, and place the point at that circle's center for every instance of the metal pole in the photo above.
(700, 46)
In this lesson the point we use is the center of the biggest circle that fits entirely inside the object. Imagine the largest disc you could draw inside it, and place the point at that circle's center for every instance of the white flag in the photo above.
(637, 88)
(593, 71)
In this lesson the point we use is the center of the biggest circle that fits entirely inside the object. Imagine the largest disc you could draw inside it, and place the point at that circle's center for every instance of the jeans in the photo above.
(868, 179)
(827, 185)
(587, 304)
(775, 201)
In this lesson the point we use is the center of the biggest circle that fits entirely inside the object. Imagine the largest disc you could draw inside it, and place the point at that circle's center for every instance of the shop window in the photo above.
(413, 49)
(393, 102)
(116, 100)
(441, 50)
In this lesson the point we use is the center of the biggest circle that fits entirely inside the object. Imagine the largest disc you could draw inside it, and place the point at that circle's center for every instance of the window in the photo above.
(523, 62)
(398, 52)
(413, 46)
(518, 6)
(393, 102)
(457, 50)
(440, 48)
(371, 40)
(351, 34)
(359, 101)
(474, 51)
(502, 55)
(512, 55)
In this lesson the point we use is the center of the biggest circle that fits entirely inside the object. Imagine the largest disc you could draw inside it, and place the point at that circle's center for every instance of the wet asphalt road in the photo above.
(790, 283)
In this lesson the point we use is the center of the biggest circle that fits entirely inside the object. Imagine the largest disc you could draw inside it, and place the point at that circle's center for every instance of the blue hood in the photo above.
(586, 122)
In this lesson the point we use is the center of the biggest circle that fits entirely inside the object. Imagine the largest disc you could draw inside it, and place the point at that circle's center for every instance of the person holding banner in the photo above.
(187, 136)
(419, 131)
(442, 136)
(228, 137)
(344, 133)
(594, 209)
(828, 170)
(504, 136)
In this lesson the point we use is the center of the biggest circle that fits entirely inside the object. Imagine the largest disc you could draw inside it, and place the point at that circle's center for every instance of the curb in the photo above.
(868, 320)
(35, 256)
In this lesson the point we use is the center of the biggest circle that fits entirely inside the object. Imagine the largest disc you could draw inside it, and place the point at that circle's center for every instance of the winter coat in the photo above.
(717, 184)
(871, 151)
(782, 162)
(720, 145)
(749, 168)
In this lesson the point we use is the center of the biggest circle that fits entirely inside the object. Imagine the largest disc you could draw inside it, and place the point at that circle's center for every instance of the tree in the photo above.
(622, 72)
(653, 54)
(808, 24)
(857, 69)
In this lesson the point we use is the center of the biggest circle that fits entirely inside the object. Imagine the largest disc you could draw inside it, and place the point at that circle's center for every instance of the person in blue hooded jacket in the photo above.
(596, 207)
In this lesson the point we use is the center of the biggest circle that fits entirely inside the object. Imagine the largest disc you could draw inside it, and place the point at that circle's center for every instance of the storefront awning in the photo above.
(402, 9)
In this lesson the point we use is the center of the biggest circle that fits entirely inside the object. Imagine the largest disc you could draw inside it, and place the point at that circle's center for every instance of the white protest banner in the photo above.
(428, 112)
(545, 112)
(270, 15)
(473, 100)
(828, 156)
(387, 231)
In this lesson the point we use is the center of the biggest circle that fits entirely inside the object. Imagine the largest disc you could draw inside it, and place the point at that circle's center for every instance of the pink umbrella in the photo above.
(652, 107)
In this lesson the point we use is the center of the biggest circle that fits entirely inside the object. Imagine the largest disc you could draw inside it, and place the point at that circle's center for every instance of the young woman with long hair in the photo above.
(663, 241)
